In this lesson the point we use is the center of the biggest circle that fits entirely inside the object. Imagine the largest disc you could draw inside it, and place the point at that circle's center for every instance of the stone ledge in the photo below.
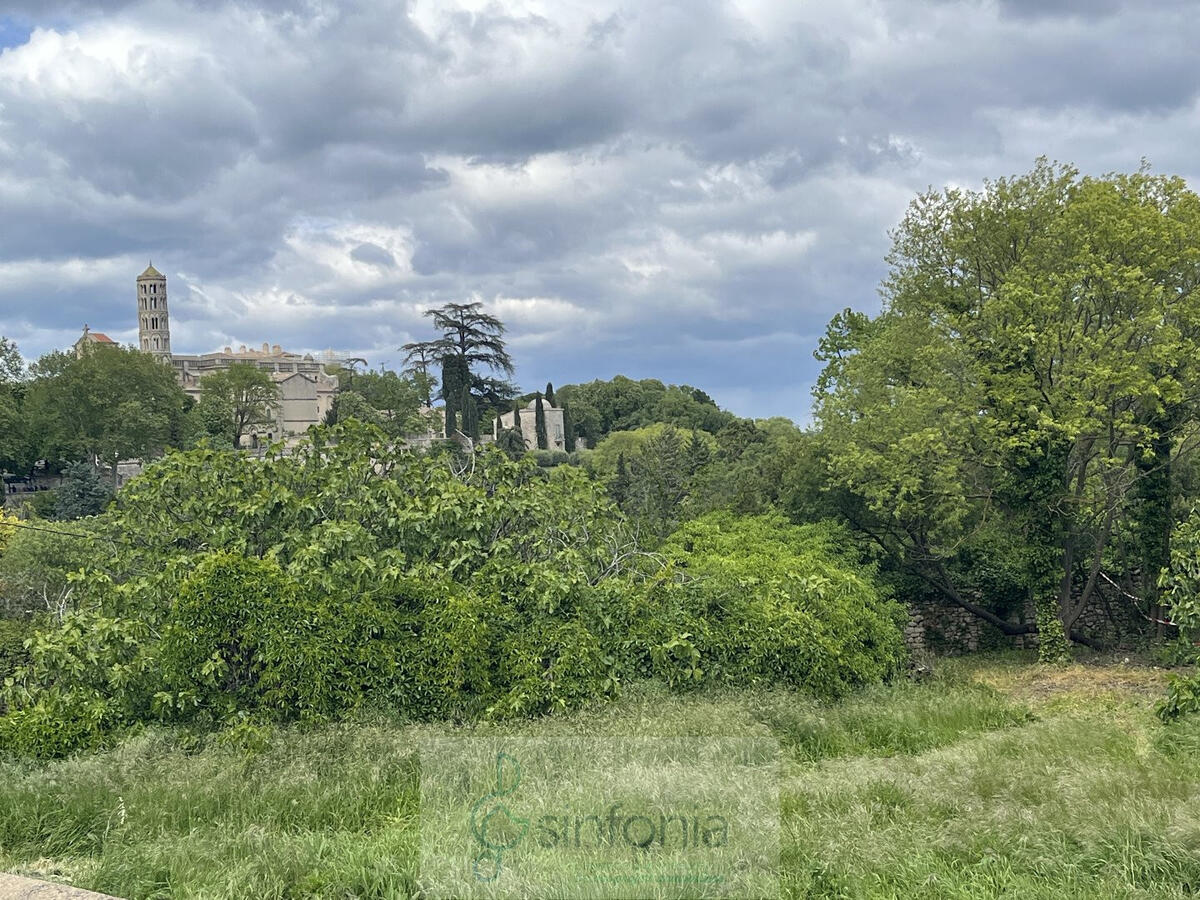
(14, 887)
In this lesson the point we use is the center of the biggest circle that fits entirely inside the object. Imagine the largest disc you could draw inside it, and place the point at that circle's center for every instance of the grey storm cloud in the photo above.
(682, 190)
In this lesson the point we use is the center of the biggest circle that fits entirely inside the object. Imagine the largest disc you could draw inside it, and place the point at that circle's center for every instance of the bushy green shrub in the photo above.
(36, 564)
(43, 504)
(222, 588)
(13, 634)
(57, 723)
(761, 600)
(548, 459)
(233, 639)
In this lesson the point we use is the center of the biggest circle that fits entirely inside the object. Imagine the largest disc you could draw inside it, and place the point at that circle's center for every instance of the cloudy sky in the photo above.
(680, 190)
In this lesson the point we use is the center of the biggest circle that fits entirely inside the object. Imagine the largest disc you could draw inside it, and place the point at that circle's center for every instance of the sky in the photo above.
(685, 191)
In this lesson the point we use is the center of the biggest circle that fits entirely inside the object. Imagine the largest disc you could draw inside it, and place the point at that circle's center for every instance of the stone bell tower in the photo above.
(154, 325)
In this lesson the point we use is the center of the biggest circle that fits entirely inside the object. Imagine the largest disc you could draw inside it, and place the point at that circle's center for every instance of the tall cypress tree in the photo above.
(543, 441)
(516, 426)
(470, 415)
(568, 429)
(455, 377)
(550, 394)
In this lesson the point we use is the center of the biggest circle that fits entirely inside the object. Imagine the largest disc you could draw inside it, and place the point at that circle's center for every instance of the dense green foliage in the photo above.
(352, 573)
(13, 655)
(16, 452)
(599, 408)
(761, 601)
(109, 404)
(36, 566)
(1181, 581)
(1034, 366)
(81, 493)
(661, 475)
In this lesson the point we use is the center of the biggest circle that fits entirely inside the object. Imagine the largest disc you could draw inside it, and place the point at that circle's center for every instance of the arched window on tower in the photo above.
(156, 343)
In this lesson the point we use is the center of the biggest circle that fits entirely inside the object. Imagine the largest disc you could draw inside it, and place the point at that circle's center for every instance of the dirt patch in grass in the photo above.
(1077, 684)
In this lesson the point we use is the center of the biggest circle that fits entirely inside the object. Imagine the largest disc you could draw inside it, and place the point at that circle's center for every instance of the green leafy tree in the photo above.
(698, 453)
(16, 452)
(470, 415)
(511, 442)
(603, 458)
(12, 366)
(516, 414)
(349, 573)
(472, 335)
(37, 564)
(238, 398)
(1181, 583)
(658, 479)
(394, 401)
(1038, 343)
(600, 408)
(420, 358)
(349, 405)
(619, 486)
(758, 600)
(736, 437)
(110, 404)
(550, 394)
(456, 382)
(471, 345)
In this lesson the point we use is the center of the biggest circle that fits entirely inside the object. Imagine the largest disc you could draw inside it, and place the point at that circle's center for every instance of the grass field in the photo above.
(994, 777)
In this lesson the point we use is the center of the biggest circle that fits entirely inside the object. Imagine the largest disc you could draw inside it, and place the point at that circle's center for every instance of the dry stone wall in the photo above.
(1110, 619)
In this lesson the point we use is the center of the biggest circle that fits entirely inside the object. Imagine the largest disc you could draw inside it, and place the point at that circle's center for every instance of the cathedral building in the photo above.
(305, 387)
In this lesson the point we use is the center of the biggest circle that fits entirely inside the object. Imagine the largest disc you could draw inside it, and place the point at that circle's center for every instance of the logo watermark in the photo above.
(599, 817)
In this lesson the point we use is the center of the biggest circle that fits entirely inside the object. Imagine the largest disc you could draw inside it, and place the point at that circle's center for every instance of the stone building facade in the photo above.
(305, 387)
(555, 435)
